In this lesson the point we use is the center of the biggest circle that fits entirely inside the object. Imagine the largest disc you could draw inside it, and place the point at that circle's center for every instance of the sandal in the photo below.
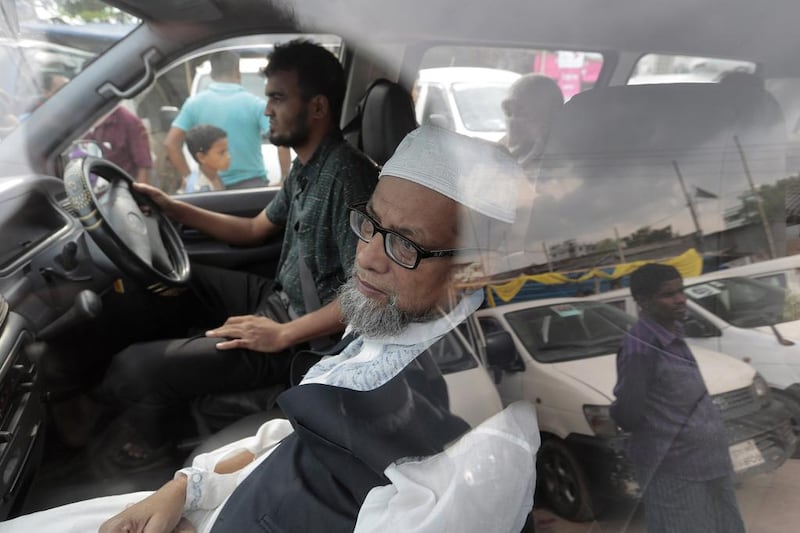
(132, 456)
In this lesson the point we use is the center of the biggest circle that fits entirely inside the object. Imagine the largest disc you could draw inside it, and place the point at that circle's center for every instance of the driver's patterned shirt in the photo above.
(312, 207)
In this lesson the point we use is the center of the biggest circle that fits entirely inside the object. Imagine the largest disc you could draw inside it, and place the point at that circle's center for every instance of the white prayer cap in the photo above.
(475, 173)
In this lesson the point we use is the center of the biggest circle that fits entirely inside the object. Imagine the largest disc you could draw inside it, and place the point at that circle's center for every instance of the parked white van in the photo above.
(466, 100)
(560, 354)
(782, 315)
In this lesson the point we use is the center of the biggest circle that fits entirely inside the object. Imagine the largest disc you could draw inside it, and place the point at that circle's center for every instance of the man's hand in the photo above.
(158, 513)
(256, 333)
(159, 197)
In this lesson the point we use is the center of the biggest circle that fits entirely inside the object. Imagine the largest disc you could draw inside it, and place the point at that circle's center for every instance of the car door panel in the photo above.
(246, 203)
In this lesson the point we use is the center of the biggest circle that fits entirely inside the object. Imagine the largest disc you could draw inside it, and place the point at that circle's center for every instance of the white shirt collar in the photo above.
(368, 363)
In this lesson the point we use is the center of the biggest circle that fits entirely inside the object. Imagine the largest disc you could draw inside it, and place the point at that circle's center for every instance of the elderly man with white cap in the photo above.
(369, 444)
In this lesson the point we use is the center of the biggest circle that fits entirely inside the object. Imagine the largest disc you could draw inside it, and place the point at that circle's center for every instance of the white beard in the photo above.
(372, 318)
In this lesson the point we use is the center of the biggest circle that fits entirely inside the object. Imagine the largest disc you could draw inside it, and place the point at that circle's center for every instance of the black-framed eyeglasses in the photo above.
(399, 249)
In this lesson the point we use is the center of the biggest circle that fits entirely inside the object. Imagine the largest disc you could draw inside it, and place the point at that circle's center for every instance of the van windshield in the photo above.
(479, 106)
(743, 302)
(563, 332)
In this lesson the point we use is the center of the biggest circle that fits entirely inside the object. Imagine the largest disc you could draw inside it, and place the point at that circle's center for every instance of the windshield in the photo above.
(742, 302)
(479, 106)
(564, 332)
(51, 44)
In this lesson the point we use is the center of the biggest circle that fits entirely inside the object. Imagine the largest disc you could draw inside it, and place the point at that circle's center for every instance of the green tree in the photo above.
(605, 245)
(647, 235)
(92, 11)
(774, 198)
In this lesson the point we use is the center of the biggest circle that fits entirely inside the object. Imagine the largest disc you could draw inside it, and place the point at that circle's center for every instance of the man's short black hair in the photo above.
(224, 63)
(647, 280)
(200, 138)
(318, 71)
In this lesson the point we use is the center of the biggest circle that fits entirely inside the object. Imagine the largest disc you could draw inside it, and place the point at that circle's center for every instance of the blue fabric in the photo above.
(662, 400)
(230, 107)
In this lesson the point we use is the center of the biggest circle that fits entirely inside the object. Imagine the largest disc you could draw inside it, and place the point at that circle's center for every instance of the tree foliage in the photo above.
(647, 235)
(774, 198)
(91, 11)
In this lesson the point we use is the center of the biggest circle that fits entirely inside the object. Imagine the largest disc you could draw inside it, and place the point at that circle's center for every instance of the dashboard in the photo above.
(46, 257)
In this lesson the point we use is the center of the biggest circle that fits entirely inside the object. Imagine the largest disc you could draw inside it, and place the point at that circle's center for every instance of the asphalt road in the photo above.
(769, 503)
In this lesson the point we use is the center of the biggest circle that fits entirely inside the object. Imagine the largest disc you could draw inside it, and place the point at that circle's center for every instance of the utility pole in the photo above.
(759, 201)
(690, 203)
(547, 256)
(619, 246)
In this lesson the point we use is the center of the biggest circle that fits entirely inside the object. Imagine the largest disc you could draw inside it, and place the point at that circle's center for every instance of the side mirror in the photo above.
(166, 114)
(501, 352)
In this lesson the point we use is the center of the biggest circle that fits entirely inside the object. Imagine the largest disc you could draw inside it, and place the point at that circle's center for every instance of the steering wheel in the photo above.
(143, 244)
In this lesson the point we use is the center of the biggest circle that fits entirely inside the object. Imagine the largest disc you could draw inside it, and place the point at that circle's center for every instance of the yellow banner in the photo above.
(689, 264)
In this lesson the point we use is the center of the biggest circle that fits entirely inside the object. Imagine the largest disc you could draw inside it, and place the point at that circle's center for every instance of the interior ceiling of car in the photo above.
(722, 28)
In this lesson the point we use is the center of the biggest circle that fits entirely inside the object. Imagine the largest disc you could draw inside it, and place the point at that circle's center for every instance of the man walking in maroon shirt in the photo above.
(125, 143)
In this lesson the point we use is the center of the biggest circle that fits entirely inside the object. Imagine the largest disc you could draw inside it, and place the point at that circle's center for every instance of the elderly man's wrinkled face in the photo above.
(383, 297)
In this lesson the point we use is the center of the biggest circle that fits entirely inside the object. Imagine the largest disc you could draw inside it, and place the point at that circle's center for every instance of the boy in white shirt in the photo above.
(209, 147)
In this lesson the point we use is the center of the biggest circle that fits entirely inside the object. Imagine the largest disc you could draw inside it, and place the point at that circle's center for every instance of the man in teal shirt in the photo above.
(229, 106)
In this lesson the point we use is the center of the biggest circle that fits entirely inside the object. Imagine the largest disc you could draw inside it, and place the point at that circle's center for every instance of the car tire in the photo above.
(562, 483)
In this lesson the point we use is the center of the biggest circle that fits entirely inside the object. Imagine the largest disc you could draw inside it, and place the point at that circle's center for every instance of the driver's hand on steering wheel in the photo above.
(251, 332)
(159, 197)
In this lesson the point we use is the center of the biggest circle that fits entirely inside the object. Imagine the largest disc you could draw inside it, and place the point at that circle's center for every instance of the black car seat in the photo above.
(383, 117)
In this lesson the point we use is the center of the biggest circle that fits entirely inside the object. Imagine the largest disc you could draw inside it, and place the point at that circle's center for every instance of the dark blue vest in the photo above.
(318, 477)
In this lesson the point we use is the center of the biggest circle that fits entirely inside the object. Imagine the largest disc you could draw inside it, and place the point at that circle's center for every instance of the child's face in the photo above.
(217, 156)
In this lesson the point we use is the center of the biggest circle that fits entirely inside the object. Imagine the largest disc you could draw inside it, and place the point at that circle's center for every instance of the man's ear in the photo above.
(319, 106)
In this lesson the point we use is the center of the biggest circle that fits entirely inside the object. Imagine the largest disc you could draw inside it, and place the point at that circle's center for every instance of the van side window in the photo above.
(490, 324)
(663, 68)
(452, 353)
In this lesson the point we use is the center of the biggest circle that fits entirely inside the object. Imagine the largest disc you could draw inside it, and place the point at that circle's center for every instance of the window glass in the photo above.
(778, 280)
(563, 332)
(474, 81)
(741, 301)
(452, 353)
(159, 105)
(660, 68)
(47, 52)
(490, 324)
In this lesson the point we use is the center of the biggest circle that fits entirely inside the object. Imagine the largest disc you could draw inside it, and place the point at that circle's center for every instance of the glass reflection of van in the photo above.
(464, 99)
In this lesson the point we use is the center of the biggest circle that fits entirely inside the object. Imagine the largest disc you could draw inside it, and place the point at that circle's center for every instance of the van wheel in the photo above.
(562, 482)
